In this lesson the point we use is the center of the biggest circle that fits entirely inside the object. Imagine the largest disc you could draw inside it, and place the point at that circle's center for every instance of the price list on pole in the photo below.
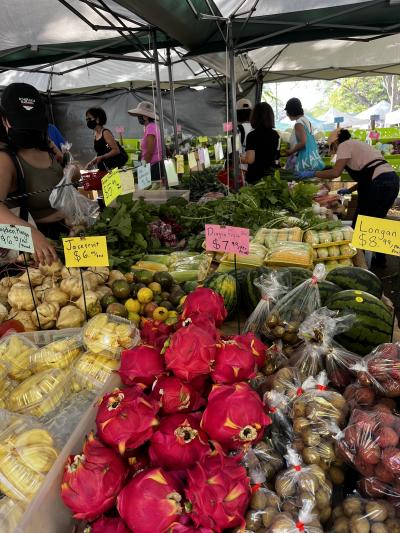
(377, 235)
(227, 239)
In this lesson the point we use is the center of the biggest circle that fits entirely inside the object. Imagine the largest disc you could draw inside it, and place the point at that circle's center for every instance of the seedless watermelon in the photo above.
(373, 320)
(356, 278)
(225, 285)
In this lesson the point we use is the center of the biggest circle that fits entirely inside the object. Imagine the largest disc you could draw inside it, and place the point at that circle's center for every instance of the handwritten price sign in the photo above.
(85, 251)
(16, 238)
(227, 239)
(111, 185)
(377, 235)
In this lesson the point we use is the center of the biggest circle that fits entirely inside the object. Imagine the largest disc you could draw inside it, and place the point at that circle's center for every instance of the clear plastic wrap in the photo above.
(281, 430)
(319, 352)
(28, 451)
(381, 370)
(58, 354)
(333, 237)
(15, 351)
(264, 507)
(91, 371)
(370, 443)
(290, 312)
(269, 236)
(66, 198)
(275, 358)
(305, 483)
(289, 383)
(10, 515)
(306, 521)
(255, 257)
(272, 286)
(357, 514)
(41, 393)
(263, 462)
(290, 254)
(108, 335)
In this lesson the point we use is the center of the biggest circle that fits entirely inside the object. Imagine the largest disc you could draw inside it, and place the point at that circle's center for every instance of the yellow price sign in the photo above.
(127, 181)
(377, 235)
(203, 139)
(85, 251)
(111, 185)
(180, 166)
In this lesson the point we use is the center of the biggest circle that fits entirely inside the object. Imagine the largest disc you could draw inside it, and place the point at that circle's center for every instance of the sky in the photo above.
(309, 92)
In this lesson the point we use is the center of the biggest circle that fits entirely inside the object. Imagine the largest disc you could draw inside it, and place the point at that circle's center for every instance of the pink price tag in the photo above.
(120, 129)
(228, 126)
(178, 128)
(227, 239)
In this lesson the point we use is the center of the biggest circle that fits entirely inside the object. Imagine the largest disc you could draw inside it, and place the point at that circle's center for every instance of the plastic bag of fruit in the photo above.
(319, 352)
(381, 369)
(275, 358)
(357, 514)
(281, 430)
(262, 462)
(264, 506)
(306, 520)
(290, 311)
(288, 382)
(272, 286)
(370, 443)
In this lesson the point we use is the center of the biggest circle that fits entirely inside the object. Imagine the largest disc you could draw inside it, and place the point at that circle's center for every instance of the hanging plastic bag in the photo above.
(319, 352)
(290, 312)
(306, 521)
(78, 209)
(275, 358)
(265, 506)
(308, 158)
(272, 286)
(281, 430)
(381, 370)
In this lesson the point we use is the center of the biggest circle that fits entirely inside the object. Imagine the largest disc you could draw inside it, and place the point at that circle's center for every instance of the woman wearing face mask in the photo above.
(150, 145)
(377, 183)
(109, 152)
(28, 166)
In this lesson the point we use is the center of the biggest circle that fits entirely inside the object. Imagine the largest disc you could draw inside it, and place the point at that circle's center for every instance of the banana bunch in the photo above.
(25, 458)
(15, 351)
(108, 336)
(57, 354)
(39, 394)
(92, 371)
(10, 515)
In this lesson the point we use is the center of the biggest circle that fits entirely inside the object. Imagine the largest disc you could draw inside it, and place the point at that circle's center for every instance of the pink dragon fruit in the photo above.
(234, 362)
(218, 490)
(138, 459)
(107, 525)
(234, 416)
(155, 333)
(179, 442)
(142, 364)
(176, 396)
(150, 502)
(92, 480)
(126, 418)
(207, 302)
(191, 353)
(177, 527)
(202, 321)
(257, 347)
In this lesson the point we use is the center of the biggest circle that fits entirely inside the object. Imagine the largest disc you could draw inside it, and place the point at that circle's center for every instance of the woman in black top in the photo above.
(262, 144)
(105, 145)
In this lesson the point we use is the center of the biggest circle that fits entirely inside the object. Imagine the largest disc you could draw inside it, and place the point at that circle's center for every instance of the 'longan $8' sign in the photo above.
(377, 235)
(85, 252)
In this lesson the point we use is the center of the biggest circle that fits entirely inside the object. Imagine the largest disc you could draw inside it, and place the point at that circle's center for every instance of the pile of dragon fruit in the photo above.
(167, 453)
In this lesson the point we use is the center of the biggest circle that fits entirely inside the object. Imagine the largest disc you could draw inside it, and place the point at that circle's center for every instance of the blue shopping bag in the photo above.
(308, 158)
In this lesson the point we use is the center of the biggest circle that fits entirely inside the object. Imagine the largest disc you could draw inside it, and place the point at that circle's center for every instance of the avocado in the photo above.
(144, 276)
(164, 279)
(120, 289)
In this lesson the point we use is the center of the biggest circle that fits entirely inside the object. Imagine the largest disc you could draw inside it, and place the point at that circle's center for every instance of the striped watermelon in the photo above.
(225, 285)
(251, 294)
(326, 290)
(298, 275)
(356, 278)
(373, 323)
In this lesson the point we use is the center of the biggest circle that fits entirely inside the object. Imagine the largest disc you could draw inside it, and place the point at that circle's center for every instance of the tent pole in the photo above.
(232, 76)
(158, 95)
(172, 100)
(259, 86)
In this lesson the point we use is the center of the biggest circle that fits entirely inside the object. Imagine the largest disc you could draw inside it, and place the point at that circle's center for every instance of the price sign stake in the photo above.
(377, 235)
(85, 251)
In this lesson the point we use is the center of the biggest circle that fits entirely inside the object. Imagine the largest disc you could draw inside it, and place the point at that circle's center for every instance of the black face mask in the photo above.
(141, 120)
(91, 124)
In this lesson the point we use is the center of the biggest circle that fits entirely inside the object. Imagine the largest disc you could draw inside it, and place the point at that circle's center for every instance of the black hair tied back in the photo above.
(344, 135)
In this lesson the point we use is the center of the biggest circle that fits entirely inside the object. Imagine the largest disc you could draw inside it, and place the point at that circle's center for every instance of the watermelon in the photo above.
(356, 278)
(225, 285)
(298, 275)
(326, 290)
(251, 294)
(373, 320)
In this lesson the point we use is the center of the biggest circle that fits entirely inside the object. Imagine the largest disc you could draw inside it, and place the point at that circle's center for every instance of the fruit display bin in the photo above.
(46, 512)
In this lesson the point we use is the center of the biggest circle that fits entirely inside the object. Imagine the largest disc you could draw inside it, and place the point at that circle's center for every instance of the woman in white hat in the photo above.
(150, 144)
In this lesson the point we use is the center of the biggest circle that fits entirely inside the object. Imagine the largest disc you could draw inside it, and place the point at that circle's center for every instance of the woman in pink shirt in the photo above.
(150, 145)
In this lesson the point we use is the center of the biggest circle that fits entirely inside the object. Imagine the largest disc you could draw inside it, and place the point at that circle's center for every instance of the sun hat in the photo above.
(145, 109)
(243, 103)
(24, 107)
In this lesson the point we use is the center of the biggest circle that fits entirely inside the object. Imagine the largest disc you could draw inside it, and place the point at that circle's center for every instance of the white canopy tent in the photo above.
(348, 119)
(381, 109)
(392, 118)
